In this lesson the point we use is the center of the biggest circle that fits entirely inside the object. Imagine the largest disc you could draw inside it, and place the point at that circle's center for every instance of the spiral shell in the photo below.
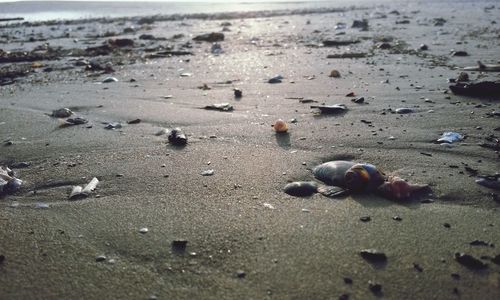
(362, 177)
(280, 126)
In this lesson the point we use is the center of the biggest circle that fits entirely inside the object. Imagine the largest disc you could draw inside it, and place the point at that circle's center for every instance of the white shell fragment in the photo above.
(208, 173)
(109, 79)
(144, 230)
(79, 192)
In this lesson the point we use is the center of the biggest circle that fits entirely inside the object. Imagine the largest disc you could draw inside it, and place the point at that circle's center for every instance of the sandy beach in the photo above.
(246, 238)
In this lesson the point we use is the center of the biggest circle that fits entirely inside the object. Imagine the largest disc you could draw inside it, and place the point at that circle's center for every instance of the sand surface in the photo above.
(239, 220)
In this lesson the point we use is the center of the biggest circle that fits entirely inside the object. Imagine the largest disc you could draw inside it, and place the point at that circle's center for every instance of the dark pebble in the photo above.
(459, 53)
(455, 276)
(417, 267)
(469, 261)
(344, 297)
(447, 225)
(481, 243)
(179, 245)
(358, 100)
(375, 287)
(100, 258)
(241, 274)
(397, 218)
(136, 121)
(373, 256)
(365, 219)
(347, 280)
(238, 93)
(20, 165)
(2, 258)
(496, 259)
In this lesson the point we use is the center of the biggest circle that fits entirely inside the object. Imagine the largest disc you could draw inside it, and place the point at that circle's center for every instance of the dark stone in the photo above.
(496, 259)
(483, 88)
(2, 258)
(358, 100)
(376, 288)
(20, 165)
(365, 219)
(146, 37)
(238, 93)
(335, 43)
(136, 121)
(241, 274)
(397, 218)
(347, 280)
(179, 246)
(177, 137)
(210, 37)
(417, 267)
(447, 225)
(470, 262)
(459, 53)
(455, 276)
(120, 43)
(384, 46)
(481, 243)
(423, 47)
(373, 256)
(361, 24)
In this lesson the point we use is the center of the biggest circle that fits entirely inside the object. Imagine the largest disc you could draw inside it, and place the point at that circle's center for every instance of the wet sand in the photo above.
(247, 238)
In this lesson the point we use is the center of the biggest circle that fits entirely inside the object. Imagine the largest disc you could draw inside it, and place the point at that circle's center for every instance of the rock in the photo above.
(376, 288)
(423, 47)
(177, 137)
(276, 79)
(135, 121)
(2, 258)
(344, 297)
(361, 24)
(417, 267)
(335, 74)
(238, 93)
(20, 165)
(240, 274)
(208, 172)
(143, 230)
(373, 256)
(348, 280)
(470, 262)
(481, 243)
(459, 53)
(496, 259)
(358, 100)
(365, 219)
(210, 37)
(61, 113)
(397, 218)
(404, 110)
(220, 107)
(120, 43)
(179, 246)
(147, 37)
(384, 46)
(336, 43)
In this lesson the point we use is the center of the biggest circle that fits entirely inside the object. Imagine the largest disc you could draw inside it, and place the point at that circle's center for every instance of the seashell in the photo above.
(109, 79)
(75, 121)
(404, 110)
(333, 172)
(276, 79)
(450, 137)
(280, 126)
(90, 186)
(301, 188)
(332, 191)
(335, 74)
(75, 192)
(492, 182)
(362, 177)
(61, 113)
(399, 189)
(330, 109)
(177, 137)
(483, 67)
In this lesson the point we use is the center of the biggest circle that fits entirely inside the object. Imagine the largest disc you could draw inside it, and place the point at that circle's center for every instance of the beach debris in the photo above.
(143, 230)
(216, 49)
(2, 258)
(439, 21)
(41, 205)
(384, 46)
(404, 110)
(363, 177)
(358, 100)
(109, 79)
(481, 243)
(204, 87)
(79, 192)
(168, 53)
(350, 94)
(74, 121)
(238, 93)
(463, 76)
(330, 109)
(348, 55)
(241, 274)
(113, 125)
(335, 74)
(100, 258)
(20, 165)
(301, 188)
(280, 126)
(135, 121)
(489, 181)
(450, 137)
(496, 259)
(333, 172)
(399, 189)
(423, 47)
(177, 137)
(340, 26)
(336, 43)
(373, 256)
(276, 79)
(470, 261)
(121, 43)
(397, 218)
(61, 113)
(365, 219)
(208, 172)
(268, 205)
(484, 67)
(482, 88)
(361, 24)
(459, 53)
(332, 191)
(8, 183)
(220, 107)
(210, 37)
(374, 287)
(179, 246)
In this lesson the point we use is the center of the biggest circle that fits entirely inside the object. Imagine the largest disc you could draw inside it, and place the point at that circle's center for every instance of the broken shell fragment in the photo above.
(177, 137)
(301, 188)
(280, 126)
(398, 189)
(79, 192)
(330, 109)
(61, 113)
(220, 107)
(109, 79)
(74, 121)
(8, 183)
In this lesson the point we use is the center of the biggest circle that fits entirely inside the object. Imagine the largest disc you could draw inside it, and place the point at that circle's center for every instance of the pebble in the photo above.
(365, 219)
(374, 287)
(41, 205)
(2, 258)
(373, 255)
(347, 280)
(144, 230)
(179, 245)
(100, 258)
(208, 172)
(241, 274)
(397, 218)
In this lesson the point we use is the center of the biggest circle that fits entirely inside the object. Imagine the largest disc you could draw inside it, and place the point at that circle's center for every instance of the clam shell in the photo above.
(333, 172)
(362, 177)
(301, 188)
(280, 126)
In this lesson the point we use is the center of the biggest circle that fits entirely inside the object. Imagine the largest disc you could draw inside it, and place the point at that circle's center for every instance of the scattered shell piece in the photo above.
(268, 205)
(109, 79)
(450, 137)
(8, 183)
(100, 258)
(177, 137)
(79, 192)
(61, 113)
(373, 256)
(113, 125)
(404, 110)
(220, 107)
(208, 172)
(41, 205)
(335, 74)
(398, 189)
(301, 188)
(330, 109)
(492, 182)
(75, 121)
(276, 79)
(280, 126)
(143, 230)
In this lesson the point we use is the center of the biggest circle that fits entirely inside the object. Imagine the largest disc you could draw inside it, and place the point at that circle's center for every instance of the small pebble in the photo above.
(143, 230)
(240, 274)
(365, 219)
(374, 287)
(100, 258)
(397, 218)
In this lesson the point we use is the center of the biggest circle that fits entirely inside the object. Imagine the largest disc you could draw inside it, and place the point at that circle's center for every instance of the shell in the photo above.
(280, 126)
(61, 113)
(335, 74)
(301, 188)
(399, 189)
(362, 177)
(333, 172)
(177, 137)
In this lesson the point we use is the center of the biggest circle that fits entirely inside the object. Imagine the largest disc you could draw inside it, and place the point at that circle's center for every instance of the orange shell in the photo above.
(280, 126)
